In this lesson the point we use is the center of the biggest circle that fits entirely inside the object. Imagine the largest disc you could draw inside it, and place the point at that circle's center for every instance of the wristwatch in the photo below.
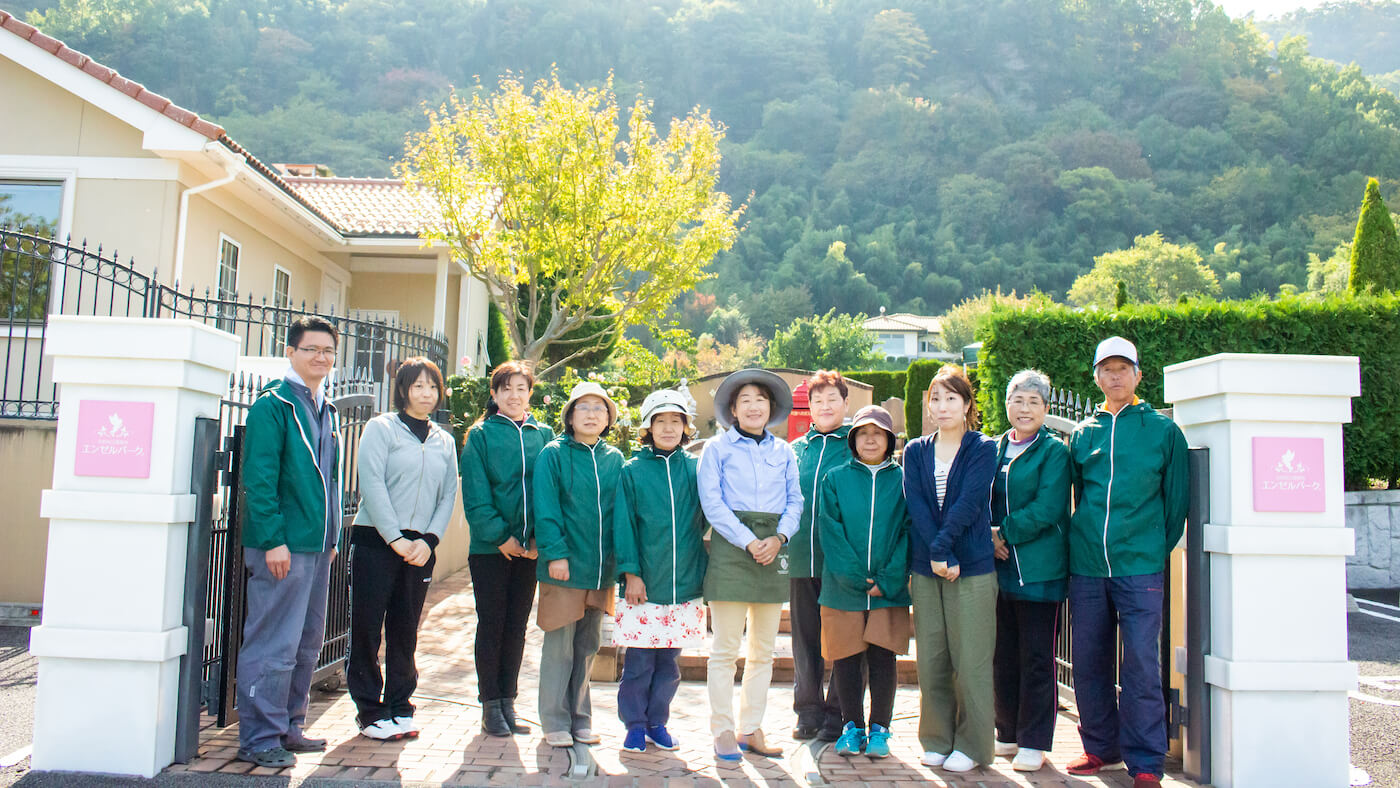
(783, 538)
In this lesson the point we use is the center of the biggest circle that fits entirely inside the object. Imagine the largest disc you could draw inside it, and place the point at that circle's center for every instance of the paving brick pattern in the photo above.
(453, 751)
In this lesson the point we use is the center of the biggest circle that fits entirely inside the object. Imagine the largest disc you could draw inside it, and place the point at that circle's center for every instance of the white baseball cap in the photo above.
(1115, 346)
(665, 401)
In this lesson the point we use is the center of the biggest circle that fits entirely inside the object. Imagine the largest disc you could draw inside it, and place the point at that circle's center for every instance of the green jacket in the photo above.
(658, 528)
(1130, 492)
(1034, 512)
(817, 454)
(284, 494)
(575, 489)
(496, 466)
(864, 529)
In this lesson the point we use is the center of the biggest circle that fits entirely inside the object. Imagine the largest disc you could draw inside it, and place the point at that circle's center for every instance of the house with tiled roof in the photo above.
(88, 153)
(904, 335)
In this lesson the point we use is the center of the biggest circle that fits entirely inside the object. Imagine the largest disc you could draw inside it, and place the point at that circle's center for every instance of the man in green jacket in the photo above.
(1131, 487)
(291, 525)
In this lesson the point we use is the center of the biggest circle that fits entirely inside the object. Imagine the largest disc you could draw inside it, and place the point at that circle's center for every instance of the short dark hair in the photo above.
(307, 323)
(408, 374)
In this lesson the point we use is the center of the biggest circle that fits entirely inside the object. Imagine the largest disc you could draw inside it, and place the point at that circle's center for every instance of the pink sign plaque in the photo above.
(1288, 475)
(114, 439)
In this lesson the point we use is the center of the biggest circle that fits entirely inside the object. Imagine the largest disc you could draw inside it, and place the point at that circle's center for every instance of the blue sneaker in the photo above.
(658, 735)
(851, 740)
(636, 740)
(878, 745)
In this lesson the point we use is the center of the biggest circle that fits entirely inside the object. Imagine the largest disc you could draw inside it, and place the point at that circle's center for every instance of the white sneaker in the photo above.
(1028, 760)
(957, 762)
(933, 759)
(408, 726)
(382, 730)
(1004, 749)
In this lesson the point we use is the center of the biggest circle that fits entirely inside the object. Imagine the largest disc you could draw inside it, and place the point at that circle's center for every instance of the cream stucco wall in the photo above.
(261, 248)
(46, 120)
(26, 469)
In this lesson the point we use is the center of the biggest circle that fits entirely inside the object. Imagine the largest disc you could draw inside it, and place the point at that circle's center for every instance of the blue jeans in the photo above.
(1131, 727)
(650, 678)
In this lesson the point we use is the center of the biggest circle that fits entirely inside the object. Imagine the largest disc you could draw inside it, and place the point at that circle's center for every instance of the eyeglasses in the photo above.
(319, 352)
(591, 408)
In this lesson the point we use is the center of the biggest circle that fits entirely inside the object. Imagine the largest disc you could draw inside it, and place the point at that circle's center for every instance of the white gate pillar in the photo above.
(109, 648)
(1277, 668)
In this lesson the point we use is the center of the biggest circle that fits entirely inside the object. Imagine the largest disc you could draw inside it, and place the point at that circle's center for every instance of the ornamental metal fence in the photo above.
(41, 277)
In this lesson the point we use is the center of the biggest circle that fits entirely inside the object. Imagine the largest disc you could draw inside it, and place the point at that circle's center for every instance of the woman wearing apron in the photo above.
(864, 529)
(751, 494)
(575, 488)
(497, 467)
(658, 533)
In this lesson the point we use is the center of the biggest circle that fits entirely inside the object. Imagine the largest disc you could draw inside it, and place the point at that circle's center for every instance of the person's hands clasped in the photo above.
(873, 590)
(999, 547)
(421, 553)
(559, 570)
(636, 593)
(941, 568)
(511, 548)
(765, 550)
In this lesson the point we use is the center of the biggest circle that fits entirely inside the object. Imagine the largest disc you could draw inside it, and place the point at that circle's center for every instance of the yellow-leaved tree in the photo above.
(576, 230)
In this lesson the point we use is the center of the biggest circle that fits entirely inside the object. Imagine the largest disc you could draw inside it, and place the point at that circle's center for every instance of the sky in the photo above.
(1264, 9)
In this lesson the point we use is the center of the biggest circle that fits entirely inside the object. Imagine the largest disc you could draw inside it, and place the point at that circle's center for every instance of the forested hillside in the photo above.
(903, 157)
(1366, 33)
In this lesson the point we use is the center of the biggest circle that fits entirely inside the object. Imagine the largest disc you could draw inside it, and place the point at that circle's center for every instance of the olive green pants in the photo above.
(955, 633)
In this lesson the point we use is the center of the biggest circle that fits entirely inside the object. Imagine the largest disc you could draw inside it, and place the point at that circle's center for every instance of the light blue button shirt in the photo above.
(738, 475)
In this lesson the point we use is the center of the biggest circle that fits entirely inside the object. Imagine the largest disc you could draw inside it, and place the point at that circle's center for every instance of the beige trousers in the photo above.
(728, 620)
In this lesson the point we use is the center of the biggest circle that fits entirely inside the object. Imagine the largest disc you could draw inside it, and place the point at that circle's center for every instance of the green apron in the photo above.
(733, 575)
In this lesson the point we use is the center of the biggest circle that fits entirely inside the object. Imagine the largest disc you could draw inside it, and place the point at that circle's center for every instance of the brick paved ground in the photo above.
(452, 750)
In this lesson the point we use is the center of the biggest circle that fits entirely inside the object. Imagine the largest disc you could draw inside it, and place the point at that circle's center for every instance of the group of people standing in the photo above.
(969, 547)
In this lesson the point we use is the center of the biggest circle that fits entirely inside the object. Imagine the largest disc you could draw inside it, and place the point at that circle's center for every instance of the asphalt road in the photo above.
(1374, 644)
(17, 680)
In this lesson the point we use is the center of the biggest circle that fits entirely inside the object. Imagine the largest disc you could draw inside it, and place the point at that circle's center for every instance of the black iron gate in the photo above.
(355, 404)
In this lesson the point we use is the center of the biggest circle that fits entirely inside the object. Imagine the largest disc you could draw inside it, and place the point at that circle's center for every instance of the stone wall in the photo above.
(1374, 516)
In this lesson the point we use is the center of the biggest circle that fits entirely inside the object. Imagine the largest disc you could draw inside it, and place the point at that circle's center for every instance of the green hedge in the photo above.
(1060, 342)
(887, 384)
(915, 384)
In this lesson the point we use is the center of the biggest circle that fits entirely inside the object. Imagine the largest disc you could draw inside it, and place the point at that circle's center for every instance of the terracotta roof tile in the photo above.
(370, 206)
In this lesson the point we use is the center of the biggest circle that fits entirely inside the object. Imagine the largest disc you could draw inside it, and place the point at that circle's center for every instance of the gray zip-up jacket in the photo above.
(405, 485)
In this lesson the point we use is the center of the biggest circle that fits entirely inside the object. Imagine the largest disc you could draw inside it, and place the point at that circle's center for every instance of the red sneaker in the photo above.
(1147, 781)
(1089, 764)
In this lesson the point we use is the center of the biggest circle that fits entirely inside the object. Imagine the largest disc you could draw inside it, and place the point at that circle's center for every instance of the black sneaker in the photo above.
(272, 757)
(829, 732)
(805, 732)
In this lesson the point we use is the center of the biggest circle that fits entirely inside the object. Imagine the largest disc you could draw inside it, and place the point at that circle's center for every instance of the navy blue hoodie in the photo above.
(958, 530)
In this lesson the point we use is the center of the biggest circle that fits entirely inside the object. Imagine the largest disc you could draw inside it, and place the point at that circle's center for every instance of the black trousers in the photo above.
(505, 592)
(1023, 672)
(813, 707)
(386, 599)
(878, 664)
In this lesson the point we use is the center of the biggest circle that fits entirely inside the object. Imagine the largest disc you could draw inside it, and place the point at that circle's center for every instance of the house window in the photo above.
(228, 281)
(282, 300)
(33, 207)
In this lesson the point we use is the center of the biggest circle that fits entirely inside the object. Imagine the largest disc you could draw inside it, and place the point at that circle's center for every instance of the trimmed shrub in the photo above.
(1375, 251)
(1060, 342)
(887, 384)
(916, 382)
(497, 337)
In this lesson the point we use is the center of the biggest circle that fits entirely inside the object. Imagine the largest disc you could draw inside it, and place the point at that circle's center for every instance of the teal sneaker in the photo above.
(851, 741)
(878, 745)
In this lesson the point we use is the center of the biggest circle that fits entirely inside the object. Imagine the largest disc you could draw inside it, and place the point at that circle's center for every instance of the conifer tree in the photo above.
(1375, 253)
